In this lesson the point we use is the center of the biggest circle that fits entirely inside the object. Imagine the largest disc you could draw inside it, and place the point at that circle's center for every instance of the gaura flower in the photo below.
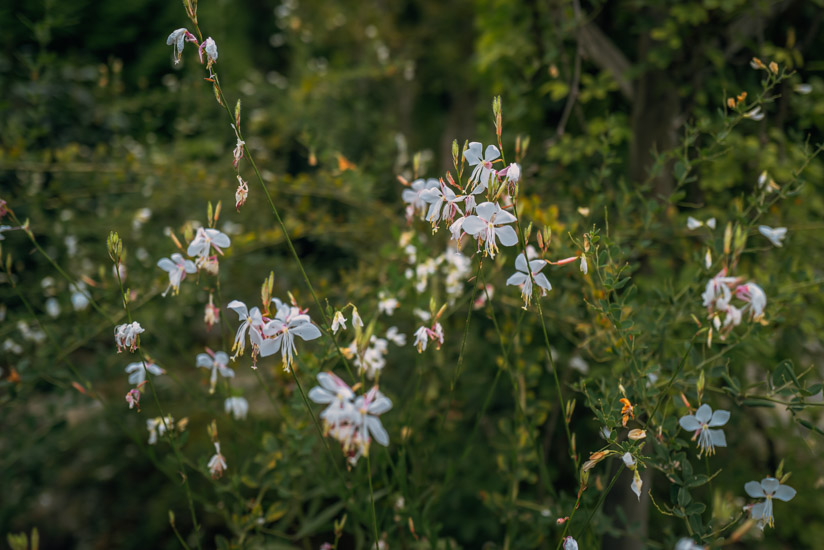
(210, 48)
(570, 543)
(178, 39)
(237, 406)
(280, 333)
(701, 422)
(211, 314)
(424, 334)
(523, 277)
(768, 489)
(693, 224)
(217, 362)
(489, 224)
(127, 336)
(396, 337)
(251, 322)
(627, 411)
(387, 304)
(774, 235)
(177, 268)
(338, 322)
(414, 196)
(157, 426)
(755, 297)
(137, 373)
(483, 170)
(443, 204)
(217, 464)
(205, 239)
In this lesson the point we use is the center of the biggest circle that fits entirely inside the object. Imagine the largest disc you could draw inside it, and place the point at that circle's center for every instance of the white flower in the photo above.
(370, 406)
(280, 333)
(237, 406)
(137, 374)
(490, 224)
(251, 321)
(693, 224)
(803, 89)
(774, 235)
(387, 304)
(396, 337)
(53, 307)
(210, 48)
(687, 544)
(157, 427)
(483, 170)
(523, 278)
(629, 462)
(769, 488)
(754, 114)
(217, 464)
(444, 203)
(570, 543)
(513, 173)
(414, 195)
(584, 268)
(701, 422)
(217, 362)
(356, 320)
(205, 239)
(421, 338)
(755, 296)
(338, 322)
(177, 268)
(127, 336)
(637, 483)
(178, 39)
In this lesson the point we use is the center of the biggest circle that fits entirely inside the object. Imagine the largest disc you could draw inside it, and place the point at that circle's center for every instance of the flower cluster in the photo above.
(352, 421)
(718, 298)
(127, 336)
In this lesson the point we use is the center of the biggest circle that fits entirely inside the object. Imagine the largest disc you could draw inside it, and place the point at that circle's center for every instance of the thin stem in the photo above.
(372, 500)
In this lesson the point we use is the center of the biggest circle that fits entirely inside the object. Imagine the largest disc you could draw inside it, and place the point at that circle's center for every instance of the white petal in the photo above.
(542, 281)
(517, 279)
(320, 395)
(717, 438)
(753, 488)
(491, 153)
(506, 235)
(719, 418)
(784, 492)
(770, 485)
(240, 308)
(704, 413)
(380, 405)
(166, 264)
(536, 265)
(306, 331)
(503, 217)
(473, 225)
(377, 430)
(473, 153)
(486, 210)
(520, 263)
(689, 423)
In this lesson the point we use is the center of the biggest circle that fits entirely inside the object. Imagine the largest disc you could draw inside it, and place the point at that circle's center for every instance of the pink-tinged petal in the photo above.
(785, 493)
(473, 225)
(517, 279)
(377, 430)
(486, 210)
(770, 485)
(719, 418)
(473, 153)
(753, 488)
(507, 235)
(240, 308)
(520, 263)
(542, 281)
(166, 265)
(307, 331)
(491, 153)
(689, 423)
(329, 381)
(718, 438)
(704, 413)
